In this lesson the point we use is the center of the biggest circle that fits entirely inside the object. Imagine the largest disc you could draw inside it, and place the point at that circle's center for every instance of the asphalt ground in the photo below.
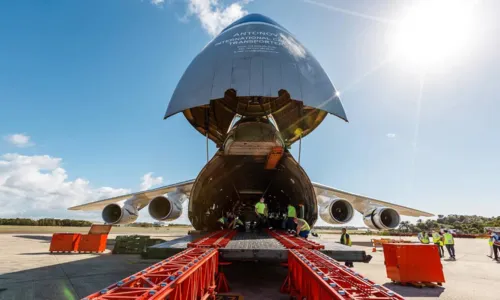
(29, 271)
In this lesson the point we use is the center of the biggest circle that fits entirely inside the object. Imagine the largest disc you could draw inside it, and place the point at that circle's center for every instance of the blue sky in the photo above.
(85, 84)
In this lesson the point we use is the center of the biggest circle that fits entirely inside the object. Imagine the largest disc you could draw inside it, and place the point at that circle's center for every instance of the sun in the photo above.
(433, 34)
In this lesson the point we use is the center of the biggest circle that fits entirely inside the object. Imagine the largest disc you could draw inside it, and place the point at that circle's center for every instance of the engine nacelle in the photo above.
(335, 210)
(162, 208)
(116, 213)
(382, 218)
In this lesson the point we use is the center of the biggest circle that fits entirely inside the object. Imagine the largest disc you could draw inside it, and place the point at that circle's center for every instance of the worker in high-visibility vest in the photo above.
(490, 243)
(436, 239)
(424, 237)
(449, 242)
(222, 223)
(345, 239)
(236, 223)
(260, 211)
(303, 229)
(291, 214)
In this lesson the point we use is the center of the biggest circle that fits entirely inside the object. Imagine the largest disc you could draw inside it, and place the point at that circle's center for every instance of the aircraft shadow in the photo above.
(411, 291)
(254, 280)
(67, 279)
(43, 238)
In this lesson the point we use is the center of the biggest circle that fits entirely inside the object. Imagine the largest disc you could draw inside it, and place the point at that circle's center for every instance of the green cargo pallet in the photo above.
(133, 244)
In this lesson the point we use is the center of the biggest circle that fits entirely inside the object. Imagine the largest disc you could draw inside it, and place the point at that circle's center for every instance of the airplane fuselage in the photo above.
(236, 178)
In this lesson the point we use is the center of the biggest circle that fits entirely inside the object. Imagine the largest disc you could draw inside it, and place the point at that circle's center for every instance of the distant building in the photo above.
(159, 224)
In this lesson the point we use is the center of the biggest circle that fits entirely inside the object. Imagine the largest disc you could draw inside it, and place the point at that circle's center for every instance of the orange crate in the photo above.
(413, 263)
(274, 157)
(93, 243)
(64, 242)
(99, 229)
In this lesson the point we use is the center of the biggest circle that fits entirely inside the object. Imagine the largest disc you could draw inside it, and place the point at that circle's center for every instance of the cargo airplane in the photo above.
(254, 90)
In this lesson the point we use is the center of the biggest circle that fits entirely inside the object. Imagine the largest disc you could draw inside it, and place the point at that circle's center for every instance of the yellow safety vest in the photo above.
(490, 242)
(261, 207)
(448, 239)
(343, 240)
(304, 227)
(222, 220)
(292, 213)
(436, 238)
(425, 239)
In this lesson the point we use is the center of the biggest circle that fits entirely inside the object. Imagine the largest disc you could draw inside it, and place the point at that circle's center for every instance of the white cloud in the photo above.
(37, 186)
(391, 135)
(157, 2)
(215, 16)
(148, 181)
(19, 139)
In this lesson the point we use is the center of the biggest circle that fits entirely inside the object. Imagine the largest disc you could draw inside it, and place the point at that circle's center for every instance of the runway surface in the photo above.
(29, 271)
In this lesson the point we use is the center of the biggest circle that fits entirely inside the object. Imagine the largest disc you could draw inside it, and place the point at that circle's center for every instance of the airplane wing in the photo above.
(141, 199)
(362, 203)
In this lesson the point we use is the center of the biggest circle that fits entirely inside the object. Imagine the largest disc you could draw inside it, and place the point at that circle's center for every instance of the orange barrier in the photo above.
(413, 263)
(94, 241)
(64, 242)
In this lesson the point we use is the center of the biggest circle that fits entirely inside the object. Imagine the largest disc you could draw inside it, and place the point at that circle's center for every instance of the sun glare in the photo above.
(433, 33)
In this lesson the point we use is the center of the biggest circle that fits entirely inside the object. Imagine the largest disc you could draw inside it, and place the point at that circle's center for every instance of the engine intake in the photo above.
(119, 214)
(163, 209)
(335, 210)
(382, 218)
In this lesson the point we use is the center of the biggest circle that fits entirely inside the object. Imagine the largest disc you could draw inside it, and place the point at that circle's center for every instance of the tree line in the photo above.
(463, 224)
(45, 222)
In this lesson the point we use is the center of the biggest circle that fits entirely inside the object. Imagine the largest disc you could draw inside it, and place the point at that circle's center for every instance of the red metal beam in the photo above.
(217, 239)
(290, 241)
(188, 275)
(313, 275)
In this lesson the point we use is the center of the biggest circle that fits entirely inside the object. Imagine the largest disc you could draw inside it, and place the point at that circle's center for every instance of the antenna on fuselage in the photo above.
(298, 132)
(300, 146)
(207, 124)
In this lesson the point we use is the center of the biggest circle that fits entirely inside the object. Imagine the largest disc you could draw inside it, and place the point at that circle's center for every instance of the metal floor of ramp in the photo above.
(250, 246)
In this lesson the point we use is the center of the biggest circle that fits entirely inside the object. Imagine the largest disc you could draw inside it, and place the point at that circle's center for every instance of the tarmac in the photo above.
(29, 271)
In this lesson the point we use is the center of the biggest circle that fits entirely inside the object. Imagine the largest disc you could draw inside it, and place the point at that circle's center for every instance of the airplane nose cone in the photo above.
(255, 68)
(253, 18)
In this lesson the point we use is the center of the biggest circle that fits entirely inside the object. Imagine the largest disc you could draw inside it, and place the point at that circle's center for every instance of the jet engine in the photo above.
(335, 210)
(116, 213)
(381, 218)
(162, 208)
